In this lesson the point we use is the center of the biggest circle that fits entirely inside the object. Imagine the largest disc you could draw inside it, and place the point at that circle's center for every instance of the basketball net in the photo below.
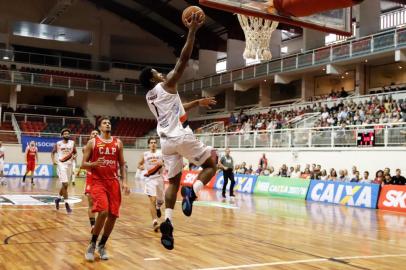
(258, 32)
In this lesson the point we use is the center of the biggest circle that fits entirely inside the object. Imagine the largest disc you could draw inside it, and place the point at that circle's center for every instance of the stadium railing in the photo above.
(351, 49)
(67, 83)
(385, 135)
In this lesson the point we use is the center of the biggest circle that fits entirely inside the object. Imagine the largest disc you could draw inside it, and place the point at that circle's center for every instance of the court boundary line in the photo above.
(332, 259)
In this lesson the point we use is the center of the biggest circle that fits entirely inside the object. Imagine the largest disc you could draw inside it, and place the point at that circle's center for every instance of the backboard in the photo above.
(336, 21)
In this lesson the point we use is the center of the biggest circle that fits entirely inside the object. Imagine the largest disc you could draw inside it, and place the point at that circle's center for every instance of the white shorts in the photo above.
(187, 146)
(65, 172)
(154, 187)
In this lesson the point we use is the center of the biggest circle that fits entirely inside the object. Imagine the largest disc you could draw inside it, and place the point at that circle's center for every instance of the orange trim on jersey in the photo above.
(183, 118)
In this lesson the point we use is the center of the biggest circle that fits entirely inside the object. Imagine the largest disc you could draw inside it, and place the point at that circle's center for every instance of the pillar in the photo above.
(313, 39)
(13, 96)
(207, 62)
(230, 100)
(367, 15)
(264, 94)
(360, 79)
(275, 44)
(307, 87)
(235, 50)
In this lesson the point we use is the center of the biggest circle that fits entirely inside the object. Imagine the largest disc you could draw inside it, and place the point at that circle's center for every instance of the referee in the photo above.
(226, 163)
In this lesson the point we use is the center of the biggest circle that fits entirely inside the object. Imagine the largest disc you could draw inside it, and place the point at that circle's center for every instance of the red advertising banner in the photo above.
(393, 198)
(189, 177)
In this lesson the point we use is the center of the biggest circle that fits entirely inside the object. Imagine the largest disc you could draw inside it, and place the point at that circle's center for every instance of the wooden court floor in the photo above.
(251, 232)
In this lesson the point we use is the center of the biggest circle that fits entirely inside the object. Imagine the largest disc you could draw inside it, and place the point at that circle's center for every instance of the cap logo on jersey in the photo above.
(107, 151)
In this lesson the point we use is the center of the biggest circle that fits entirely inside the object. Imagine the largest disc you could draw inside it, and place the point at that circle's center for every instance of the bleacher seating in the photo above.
(6, 134)
(62, 73)
(131, 127)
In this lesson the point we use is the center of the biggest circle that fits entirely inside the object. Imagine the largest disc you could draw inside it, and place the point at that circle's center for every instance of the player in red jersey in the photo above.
(92, 216)
(103, 156)
(31, 157)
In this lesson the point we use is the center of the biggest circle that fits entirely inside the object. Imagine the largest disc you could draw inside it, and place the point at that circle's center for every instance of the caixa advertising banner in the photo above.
(19, 169)
(349, 194)
(393, 198)
(243, 182)
(44, 144)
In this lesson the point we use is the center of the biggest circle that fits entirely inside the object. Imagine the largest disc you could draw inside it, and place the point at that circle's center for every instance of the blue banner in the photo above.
(44, 144)
(18, 169)
(349, 194)
(243, 182)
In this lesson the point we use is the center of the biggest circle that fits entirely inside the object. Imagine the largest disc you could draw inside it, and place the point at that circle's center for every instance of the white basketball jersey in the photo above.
(64, 149)
(169, 112)
(151, 160)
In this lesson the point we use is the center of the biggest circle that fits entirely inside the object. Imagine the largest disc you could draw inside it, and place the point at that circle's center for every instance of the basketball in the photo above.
(188, 12)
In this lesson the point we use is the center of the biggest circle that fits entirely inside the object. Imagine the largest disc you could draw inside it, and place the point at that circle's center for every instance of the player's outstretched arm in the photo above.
(174, 76)
(202, 102)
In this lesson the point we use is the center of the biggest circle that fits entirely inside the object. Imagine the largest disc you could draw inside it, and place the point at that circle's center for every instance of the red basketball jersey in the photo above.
(107, 150)
(31, 154)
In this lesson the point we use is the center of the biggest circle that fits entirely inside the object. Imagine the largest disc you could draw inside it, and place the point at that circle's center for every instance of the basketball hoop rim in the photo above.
(285, 20)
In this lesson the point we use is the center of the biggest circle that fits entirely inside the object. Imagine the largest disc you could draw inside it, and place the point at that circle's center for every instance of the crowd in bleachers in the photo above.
(316, 172)
(343, 113)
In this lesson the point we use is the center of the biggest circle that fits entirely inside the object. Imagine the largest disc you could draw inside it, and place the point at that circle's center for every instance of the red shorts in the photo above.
(30, 166)
(106, 195)
(88, 183)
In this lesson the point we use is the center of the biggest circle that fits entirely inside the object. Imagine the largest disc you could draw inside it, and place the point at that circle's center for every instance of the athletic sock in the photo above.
(92, 221)
(94, 239)
(155, 220)
(168, 213)
(197, 186)
(24, 177)
(103, 240)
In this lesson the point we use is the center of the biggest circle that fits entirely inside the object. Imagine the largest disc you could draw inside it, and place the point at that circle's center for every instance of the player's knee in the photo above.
(103, 214)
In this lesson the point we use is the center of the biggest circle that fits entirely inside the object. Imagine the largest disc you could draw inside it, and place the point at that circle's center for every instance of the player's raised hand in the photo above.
(195, 21)
(207, 102)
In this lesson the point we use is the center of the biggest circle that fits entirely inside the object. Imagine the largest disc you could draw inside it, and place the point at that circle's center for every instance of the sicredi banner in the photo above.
(243, 182)
(282, 187)
(393, 198)
(44, 144)
(350, 194)
(189, 177)
(18, 169)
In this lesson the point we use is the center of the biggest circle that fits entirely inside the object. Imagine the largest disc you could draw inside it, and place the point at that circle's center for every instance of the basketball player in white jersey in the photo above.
(2, 164)
(152, 163)
(65, 151)
(176, 137)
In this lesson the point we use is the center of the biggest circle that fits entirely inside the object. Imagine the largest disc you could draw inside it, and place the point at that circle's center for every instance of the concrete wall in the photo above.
(324, 84)
(386, 74)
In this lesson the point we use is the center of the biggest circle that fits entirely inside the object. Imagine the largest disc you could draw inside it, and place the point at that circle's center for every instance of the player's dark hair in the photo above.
(145, 78)
(101, 120)
(151, 139)
(64, 130)
(96, 129)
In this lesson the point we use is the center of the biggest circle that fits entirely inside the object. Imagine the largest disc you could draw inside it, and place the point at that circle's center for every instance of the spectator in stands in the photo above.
(291, 170)
(266, 171)
(365, 179)
(306, 174)
(398, 179)
(323, 175)
(249, 170)
(356, 177)
(386, 171)
(341, 176)
(387, 180)
(333, 175)
(284, 171)
(343, 93)
(259, 170)
(243, 168)
(378, 177)
(354, 170)
(296, 173)
(263, 161)
(226, 163)
(233, 120)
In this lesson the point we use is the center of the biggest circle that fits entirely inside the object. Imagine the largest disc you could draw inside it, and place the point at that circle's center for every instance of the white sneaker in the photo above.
(102, 252)
(89, 255)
